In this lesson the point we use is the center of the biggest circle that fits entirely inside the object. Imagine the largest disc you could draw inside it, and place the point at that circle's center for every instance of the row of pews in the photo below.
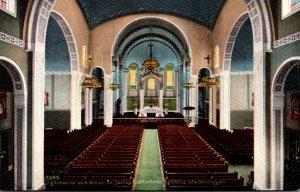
(236, 146)
(109, 163)
(62, 146)
(189, 163)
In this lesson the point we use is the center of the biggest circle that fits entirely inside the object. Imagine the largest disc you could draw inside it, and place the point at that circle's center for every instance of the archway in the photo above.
(170, 48)
(261, 26)
(38, 21)
(13, 131)
(98, 94)
(204, 97)
(284, 129)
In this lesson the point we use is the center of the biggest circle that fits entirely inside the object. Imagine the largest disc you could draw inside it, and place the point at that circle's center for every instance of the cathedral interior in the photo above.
(149, 95)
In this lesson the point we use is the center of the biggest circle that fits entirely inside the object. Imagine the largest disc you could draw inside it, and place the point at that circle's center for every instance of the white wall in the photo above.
(59, 89)
(241, 92)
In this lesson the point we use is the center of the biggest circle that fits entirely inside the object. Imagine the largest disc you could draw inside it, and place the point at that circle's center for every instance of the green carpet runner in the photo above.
(149, 172)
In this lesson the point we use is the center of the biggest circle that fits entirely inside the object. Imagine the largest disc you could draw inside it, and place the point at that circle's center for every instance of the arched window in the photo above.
(151, 84)
(216, 57)
(9, 6)
(170, 78)
(133, 76)
(84, 55)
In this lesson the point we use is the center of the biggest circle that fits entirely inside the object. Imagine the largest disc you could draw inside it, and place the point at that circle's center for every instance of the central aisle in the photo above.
(150, 170)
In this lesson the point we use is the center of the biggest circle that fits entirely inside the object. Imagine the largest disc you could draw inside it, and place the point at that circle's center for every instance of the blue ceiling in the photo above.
(204, 12)
(242, 53)
(57, 53)
(162, 53)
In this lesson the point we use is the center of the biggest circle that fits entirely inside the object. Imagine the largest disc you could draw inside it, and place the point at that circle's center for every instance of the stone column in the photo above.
(75, 100)
(161, 96)
(193, 100)
(261, 140)
(88, 105)
(277, 142)
(225, 101)
(20, 140)
(142, 94)
(125, 91)
(177, 88)
(38, 82)
(211, 108)
(108, 104)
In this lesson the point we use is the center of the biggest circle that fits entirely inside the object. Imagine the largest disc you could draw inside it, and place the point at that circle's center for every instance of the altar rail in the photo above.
(148, 120)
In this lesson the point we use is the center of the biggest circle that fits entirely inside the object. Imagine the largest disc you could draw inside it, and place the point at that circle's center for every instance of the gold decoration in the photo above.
(208, 82)
(151, 63)
(114, 86)
(188, 85)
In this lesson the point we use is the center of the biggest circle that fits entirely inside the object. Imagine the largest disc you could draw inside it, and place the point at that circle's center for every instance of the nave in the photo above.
(132, 157)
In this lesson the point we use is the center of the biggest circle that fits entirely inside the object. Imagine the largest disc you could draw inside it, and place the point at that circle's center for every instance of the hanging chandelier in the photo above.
(151, 63)
(208, 82)
(90, 82)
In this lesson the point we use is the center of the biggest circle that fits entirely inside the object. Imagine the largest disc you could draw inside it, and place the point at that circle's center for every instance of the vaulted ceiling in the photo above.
(204, 12)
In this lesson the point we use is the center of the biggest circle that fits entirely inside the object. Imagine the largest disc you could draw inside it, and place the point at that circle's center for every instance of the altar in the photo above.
(144, 112)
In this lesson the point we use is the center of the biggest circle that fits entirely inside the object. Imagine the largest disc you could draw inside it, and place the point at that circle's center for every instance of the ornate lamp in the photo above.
(90, 82)
(151, 63)
(114, 86)
(188, 85)
(208, 82)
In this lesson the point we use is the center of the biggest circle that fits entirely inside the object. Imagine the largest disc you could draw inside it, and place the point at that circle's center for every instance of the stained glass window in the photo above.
(151, 83)
(9, 6)
(84, 55)
(216, 57)
(132, 76)
(170, 81)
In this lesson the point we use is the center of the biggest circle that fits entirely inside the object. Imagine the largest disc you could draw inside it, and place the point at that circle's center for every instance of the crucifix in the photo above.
(208, 58)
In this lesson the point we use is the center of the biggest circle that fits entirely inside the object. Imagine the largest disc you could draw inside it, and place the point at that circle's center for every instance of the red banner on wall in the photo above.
(3, 105)
(295, 105)
(46, 101)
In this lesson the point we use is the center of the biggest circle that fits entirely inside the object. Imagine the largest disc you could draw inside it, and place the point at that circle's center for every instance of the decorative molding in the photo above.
(58, 73)
(19, 141)
(12, 40)
(69, 38)
(231, 40)
(242, 73)
(287, 40)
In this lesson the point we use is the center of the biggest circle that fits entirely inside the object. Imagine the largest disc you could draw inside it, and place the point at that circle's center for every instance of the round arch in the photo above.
(72, 46)
(20, 122)
(277, 122)
(231, 40)
(210, 96)
(156, 21)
